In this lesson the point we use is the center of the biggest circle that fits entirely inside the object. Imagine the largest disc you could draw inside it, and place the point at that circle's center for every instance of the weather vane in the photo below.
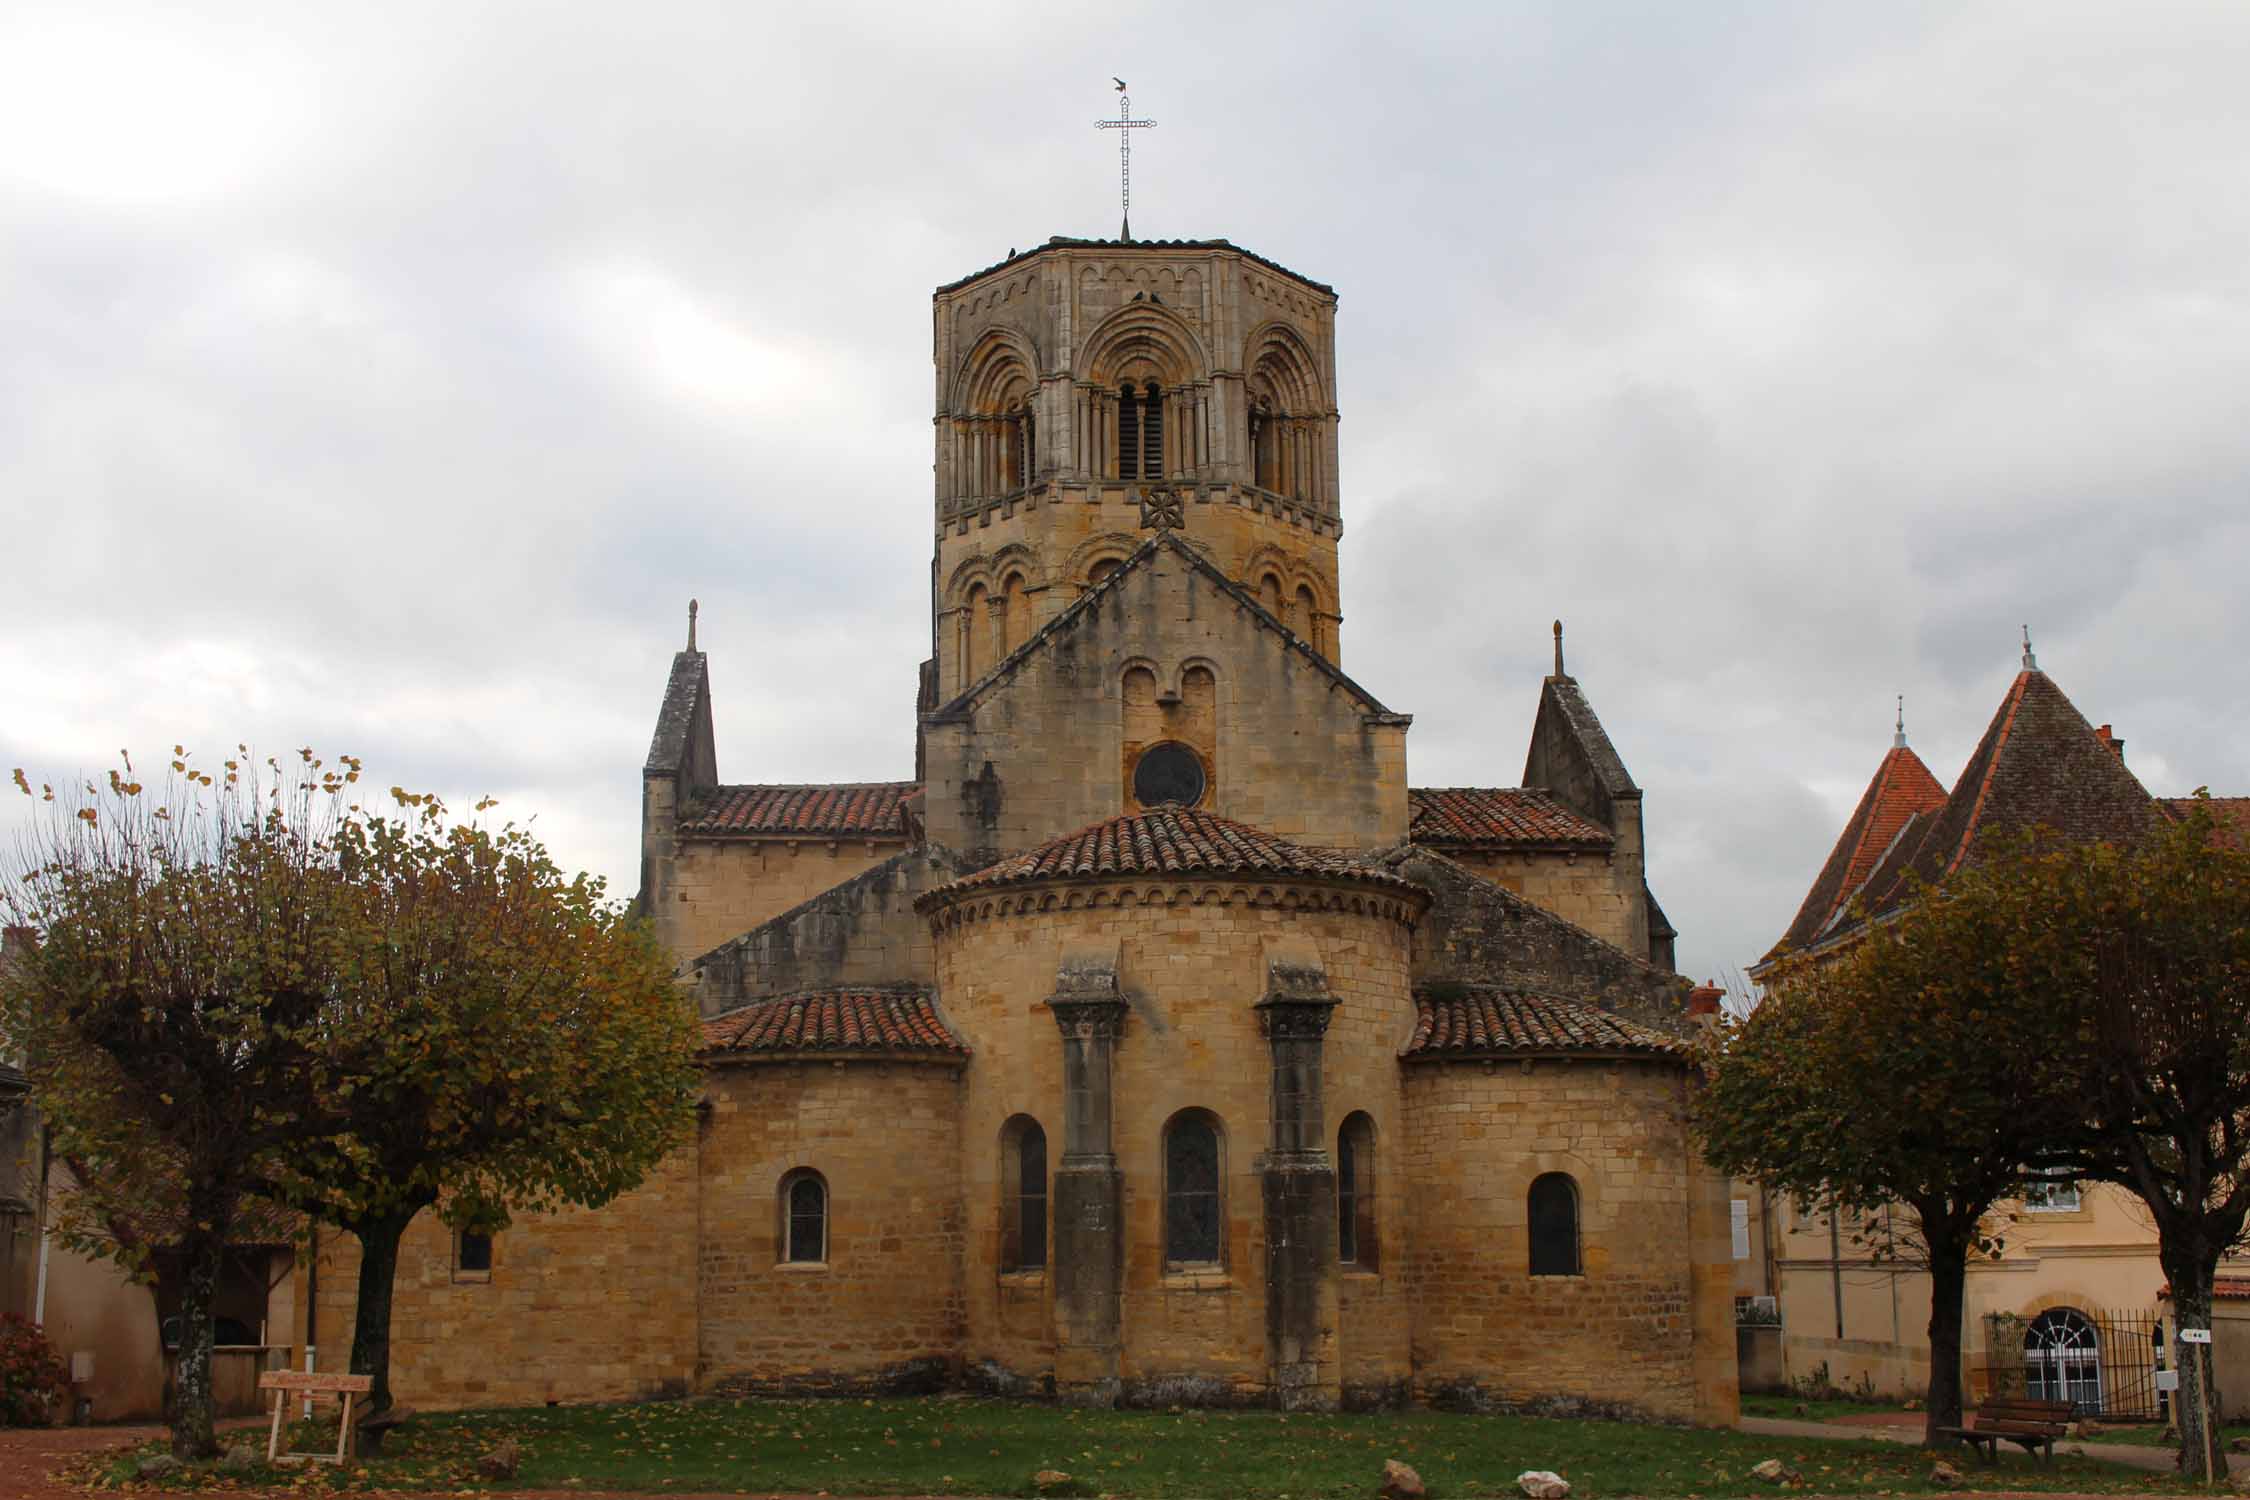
(1125, 125)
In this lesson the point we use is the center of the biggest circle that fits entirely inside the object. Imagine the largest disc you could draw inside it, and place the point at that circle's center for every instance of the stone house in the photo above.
(1156, 1040)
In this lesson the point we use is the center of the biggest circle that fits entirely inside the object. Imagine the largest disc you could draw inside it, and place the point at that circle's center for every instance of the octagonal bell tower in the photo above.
(1092, 391)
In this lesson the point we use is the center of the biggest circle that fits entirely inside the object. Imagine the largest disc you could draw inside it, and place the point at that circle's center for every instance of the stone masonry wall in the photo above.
(1582, 889)
(1191, 960)
(884, 1311)
(1298, 752)
(862, 932)
(1620, 1336)
(583, 1305)
(1476, 932)
(721, 888)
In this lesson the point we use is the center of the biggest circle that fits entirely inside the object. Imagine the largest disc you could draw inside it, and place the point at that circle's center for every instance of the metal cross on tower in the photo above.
(1125, 125)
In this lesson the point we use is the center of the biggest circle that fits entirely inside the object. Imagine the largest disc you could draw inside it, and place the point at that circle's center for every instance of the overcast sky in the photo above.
(386, 378)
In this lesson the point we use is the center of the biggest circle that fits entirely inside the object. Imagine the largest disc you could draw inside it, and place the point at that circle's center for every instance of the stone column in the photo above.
(1298, 1185)
(1089, 1269)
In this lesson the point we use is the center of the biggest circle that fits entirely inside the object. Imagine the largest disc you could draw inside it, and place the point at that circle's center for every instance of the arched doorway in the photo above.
(2062, 1355)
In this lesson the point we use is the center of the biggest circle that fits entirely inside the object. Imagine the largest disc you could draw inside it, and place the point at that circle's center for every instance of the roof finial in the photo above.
(2030, 662)
(1898, 739)
(1558, 648)
(691, 607)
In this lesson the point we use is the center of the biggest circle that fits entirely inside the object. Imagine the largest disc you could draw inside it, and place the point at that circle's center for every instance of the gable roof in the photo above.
(684, 693)
(823, 1022)
(1142, 557)
(1172, 841)
(1574, 713)
(860, 809)
(1489, 1021)
(2231, 814)
(2040, 764)
(1485, 816)
(1901, 787)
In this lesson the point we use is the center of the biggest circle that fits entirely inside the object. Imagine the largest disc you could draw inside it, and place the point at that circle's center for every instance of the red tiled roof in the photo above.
(1479, 1021)
(1901, 788)
(2040, 765)
(1174, 841)
(2232, 814)
(858, 809)
(833, 1021)
(1498, 815)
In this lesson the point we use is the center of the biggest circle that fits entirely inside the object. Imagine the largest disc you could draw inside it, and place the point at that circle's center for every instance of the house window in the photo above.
(1023, 1205)
(1192, 1205)
(1355, 1192)
(1554, 1225)
(2051, 1193)
(804, 1218)
(2062, 1356)
(472, 1254)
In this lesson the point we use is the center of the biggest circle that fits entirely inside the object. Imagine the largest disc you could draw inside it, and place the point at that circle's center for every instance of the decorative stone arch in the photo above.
(1143, 341)
(970, 570)
(998, 374)
(1277, 363)
(994, 428)
(1105, 547)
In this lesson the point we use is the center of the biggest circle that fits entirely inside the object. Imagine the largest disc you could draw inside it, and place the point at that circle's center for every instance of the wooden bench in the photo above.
(285, 1383)
(2015, 1419)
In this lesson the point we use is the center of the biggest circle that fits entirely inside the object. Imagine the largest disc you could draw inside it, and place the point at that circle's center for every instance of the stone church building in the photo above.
(1155, 1040)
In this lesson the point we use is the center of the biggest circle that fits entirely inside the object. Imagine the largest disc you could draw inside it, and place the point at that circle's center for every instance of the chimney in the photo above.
(1704, 999)
(2106, 737)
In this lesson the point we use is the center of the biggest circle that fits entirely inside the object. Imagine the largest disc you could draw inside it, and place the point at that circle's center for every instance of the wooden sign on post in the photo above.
(305, 1383)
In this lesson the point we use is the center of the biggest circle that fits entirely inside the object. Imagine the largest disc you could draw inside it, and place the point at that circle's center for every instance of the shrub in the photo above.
(34, 1384)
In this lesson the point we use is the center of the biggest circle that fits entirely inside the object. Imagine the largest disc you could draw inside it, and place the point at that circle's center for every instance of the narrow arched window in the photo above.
(804, 1217)
(1128, 433)
(1355, 1192)
(1015, 615)
(1027, 444)
(1305, 617)
(1554, 1225)
(976, 634)
(1023, 1195)
(1193, 1207)
(1261, 455)
(1152, 434)
(1101, 569)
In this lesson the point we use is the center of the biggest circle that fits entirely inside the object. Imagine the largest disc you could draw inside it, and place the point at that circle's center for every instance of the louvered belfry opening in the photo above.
(1128, 433)
(1152, 435)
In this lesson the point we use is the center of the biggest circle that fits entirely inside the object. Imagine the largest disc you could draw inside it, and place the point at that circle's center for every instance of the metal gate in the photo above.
(2103, 1362)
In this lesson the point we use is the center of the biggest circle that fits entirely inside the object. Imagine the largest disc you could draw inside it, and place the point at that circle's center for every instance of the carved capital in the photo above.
(1088, 1019)
(1295, 1018)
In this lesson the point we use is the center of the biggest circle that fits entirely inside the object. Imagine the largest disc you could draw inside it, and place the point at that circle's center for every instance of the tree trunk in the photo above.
(1949, 1273)
(194, 1402)
(371, 1323)
(2195, 1406)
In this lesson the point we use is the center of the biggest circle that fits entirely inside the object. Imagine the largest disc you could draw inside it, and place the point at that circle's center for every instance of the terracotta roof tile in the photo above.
(868, 1020)
(1174, 841)
(1485, 815)
(858, 809)
(1901, 788)
(2232, 814)
(1481, 1021)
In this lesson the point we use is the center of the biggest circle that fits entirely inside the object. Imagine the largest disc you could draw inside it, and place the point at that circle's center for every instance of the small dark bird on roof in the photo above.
(1113, 78)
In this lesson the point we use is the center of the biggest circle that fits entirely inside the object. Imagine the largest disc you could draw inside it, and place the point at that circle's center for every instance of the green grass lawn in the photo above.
(1786, 1407)
(973, 1447)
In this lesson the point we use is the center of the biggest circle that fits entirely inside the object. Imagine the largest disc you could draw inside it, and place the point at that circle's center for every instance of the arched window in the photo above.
(1554, 1225)
(804, 1217)
(1152, 434)
(1305, 617)
(2062, 1355)
(976, 635)
(1015, 615)
(1023, 1195)
(1269, 594)
(1355, 1192)
(1194, 1207)
(1101, 569)
(1261, 444)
